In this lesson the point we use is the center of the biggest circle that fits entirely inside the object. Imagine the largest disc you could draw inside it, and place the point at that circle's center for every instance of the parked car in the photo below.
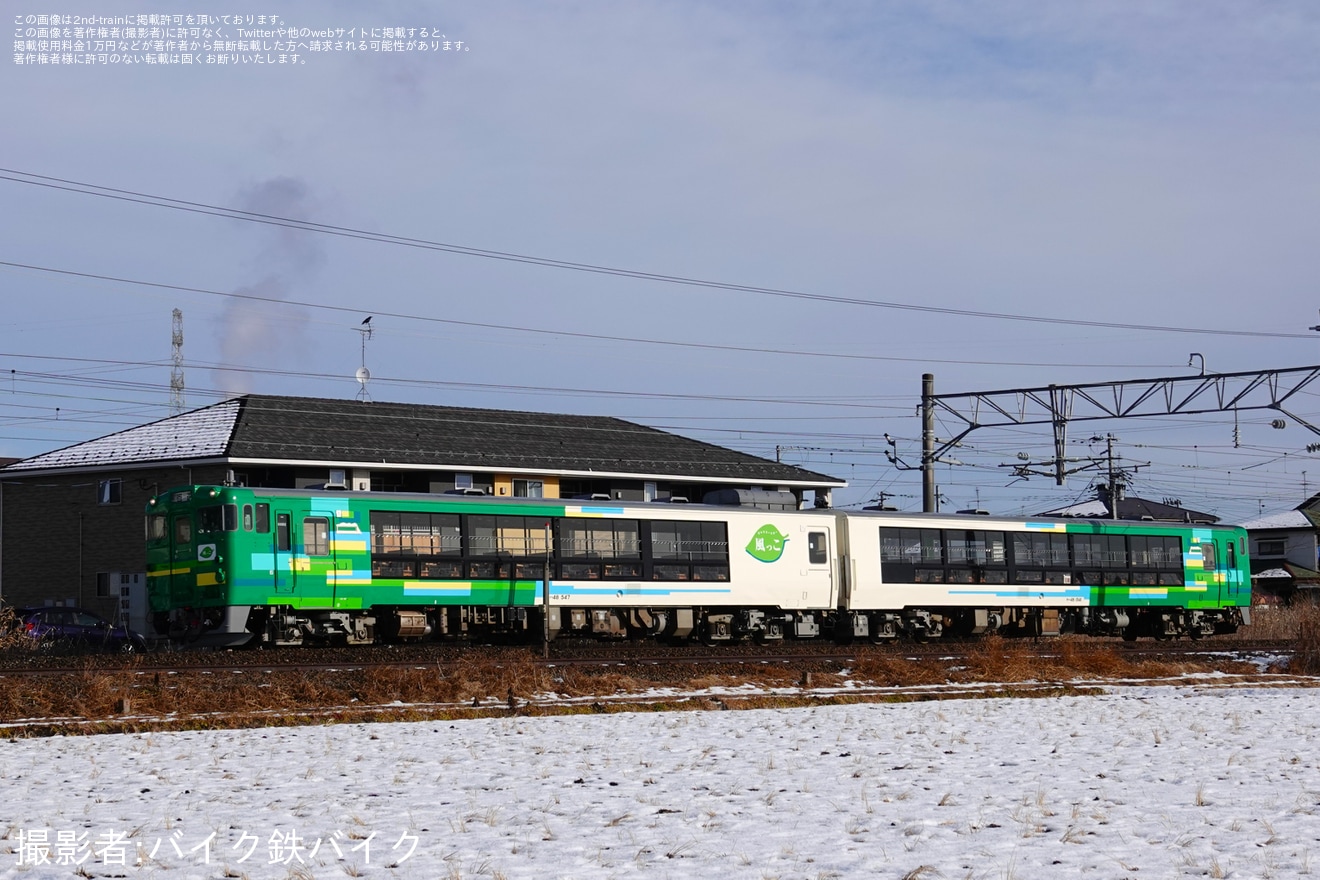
(78, 629)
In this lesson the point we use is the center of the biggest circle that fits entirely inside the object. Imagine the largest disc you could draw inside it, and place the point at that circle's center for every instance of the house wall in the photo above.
(1300, 546)
(57, 534)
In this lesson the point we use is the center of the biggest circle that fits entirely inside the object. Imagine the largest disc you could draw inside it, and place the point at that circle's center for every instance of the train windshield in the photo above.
(157, 527)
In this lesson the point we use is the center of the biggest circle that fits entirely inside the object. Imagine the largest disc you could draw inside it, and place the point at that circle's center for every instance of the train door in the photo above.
(182, 557)
(1213, 555)
(311, 572)
(283, 546)
(820, 566)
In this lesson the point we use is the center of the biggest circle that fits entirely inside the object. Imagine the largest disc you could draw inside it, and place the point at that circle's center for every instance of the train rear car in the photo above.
(920, 575)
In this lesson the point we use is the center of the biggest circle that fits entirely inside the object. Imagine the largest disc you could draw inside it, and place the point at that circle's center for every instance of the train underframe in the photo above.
(244, 625)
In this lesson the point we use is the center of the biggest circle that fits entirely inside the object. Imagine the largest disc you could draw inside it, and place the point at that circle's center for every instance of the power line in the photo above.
(156, 201)
(573, 334)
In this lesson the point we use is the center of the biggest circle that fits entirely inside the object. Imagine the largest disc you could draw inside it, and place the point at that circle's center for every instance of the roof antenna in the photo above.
(363, 374)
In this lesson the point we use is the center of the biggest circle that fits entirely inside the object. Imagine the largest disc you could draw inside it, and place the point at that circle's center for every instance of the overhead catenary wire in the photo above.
(151, 200)
(572, 334)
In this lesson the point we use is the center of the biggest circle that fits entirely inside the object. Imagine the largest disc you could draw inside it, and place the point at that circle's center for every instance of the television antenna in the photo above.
(363, 374)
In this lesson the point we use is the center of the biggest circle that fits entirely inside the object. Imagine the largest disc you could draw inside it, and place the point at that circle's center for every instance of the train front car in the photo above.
(230, 565)
(193, 536)
(919, 575)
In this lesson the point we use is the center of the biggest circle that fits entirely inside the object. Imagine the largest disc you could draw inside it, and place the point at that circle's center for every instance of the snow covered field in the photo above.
(1142, 783)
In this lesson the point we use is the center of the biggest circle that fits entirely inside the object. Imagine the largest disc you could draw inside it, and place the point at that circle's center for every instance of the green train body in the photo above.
(231, 565)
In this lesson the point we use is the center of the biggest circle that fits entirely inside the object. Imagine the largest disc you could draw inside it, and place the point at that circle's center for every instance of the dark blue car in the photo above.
(77, 629)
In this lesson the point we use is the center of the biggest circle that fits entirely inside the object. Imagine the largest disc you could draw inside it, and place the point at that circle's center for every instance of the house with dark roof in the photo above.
(1132, 508)
(1285, 551)
(71, 519)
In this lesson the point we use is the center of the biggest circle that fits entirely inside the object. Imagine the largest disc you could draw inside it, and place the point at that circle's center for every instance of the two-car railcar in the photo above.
(231, 565)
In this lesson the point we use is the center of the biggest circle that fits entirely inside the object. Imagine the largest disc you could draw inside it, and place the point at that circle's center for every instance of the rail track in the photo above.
(44, 694)
(29, 664)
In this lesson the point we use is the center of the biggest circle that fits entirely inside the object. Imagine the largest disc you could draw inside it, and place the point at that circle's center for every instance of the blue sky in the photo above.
(1150, 164)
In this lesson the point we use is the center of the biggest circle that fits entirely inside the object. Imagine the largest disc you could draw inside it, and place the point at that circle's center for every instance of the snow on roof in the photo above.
(1287, 519)
(1272, 573)
(202, 433)
(1084, 509)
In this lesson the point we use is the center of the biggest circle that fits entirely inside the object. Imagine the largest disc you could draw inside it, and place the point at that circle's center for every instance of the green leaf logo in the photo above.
(767, 545)
(206, 552)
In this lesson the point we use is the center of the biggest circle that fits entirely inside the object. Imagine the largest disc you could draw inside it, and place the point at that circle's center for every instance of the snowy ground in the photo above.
(1143, 783)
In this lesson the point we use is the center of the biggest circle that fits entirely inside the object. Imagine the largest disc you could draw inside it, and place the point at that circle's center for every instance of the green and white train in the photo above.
(232, 565)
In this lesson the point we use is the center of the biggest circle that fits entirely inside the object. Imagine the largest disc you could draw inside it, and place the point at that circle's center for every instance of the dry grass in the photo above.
(1306, 658)
(12, 639)
(1014, 660)
(512, 681)
(1277, 622)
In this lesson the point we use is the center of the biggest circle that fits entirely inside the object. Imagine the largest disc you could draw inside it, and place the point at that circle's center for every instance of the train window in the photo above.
(604, 538)
(1208, 556)
(282, 537)
(1115, 551)
(210, 519)
(1040, 549)
(263, 518)
(974, 548)
(217, 518)
(900, 545)
(1170, 554)
(957, 548)
(157, 527)
(1087, 552)
(687, 550)
(514, 535)
(1140, 548)
(534, 570)
(932, 549)
(439, 569)
(247, 517)
(386, 567)
(420, 534)
(414, 535)
(316, 536)
(183, 529)
(900, 551)
(695, 541)
(1229, 557)
(817, 549)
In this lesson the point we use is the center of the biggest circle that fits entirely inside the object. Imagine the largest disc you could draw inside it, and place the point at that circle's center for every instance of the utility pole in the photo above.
(1113, 486)
(928, 498)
